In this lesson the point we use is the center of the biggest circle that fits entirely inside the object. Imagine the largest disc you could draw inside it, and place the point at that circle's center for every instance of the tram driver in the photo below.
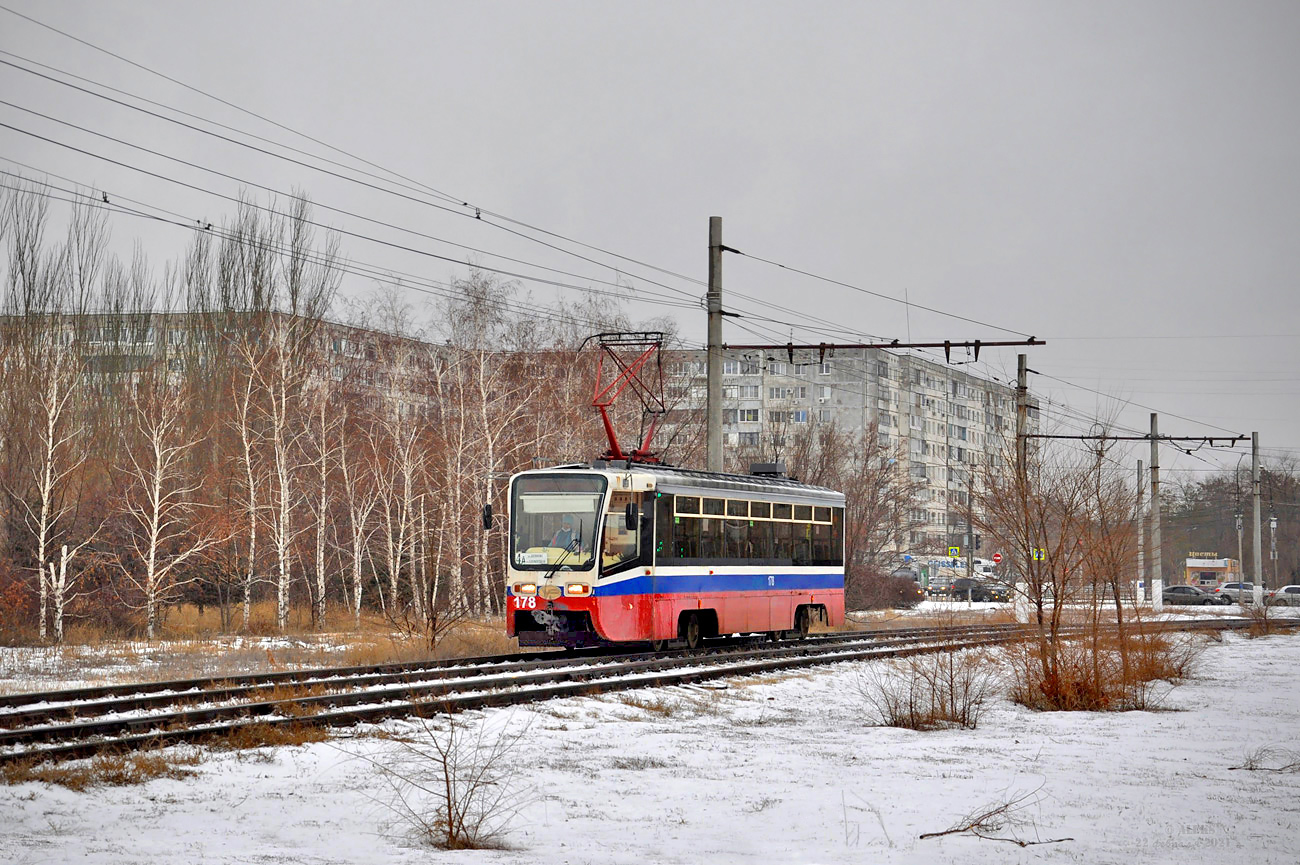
(566, 534)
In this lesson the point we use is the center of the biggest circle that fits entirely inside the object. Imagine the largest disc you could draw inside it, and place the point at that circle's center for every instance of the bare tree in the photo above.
(161, 502)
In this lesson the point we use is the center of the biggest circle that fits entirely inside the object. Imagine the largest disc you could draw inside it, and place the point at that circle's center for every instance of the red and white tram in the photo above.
(617, 552)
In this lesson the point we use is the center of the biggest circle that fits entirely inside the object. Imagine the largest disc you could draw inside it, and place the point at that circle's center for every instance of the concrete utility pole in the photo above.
(1258, 546)
(1021, 598)
(714, 297)
(1141, 537)
(1022, 415)
(1157, 578)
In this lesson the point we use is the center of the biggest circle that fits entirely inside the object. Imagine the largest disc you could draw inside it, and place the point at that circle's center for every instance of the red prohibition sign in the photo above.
(997, 558)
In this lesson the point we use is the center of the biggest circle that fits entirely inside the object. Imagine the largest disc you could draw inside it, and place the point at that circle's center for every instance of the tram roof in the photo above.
(674, 479)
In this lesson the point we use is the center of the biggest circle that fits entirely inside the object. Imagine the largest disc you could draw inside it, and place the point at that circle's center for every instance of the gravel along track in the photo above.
(53, 725)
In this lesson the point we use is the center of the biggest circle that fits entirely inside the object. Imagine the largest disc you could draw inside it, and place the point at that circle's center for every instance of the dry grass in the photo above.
(250, 736)
(656, 706)
(286, 694)
(105, 770)
(1100, 672)
(102, 661)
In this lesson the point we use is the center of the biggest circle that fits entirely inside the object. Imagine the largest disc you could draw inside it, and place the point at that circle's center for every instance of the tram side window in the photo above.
(783, 540)
(821, 544)
(760, 536)
(837, 536)
(802, 554)
(711, 539)
(736, 539)
(686, 537)
(773, 533)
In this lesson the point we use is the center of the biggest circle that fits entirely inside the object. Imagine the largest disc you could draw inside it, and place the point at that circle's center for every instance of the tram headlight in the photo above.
(580, 590)
(525, 588)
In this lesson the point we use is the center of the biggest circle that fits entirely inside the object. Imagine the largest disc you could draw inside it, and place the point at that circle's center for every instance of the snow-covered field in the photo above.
(776, 769)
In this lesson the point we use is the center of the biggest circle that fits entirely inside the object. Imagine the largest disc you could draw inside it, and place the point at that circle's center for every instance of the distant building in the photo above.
(1207, 569)
(940, 420)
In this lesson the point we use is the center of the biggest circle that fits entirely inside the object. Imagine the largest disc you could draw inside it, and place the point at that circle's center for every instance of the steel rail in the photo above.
(351, 690)
(174, 690)
(662, 670)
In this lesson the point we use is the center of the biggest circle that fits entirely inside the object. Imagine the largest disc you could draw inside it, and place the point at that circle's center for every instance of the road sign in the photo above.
(997, 558)
(1039, 555)
(907, 558)
(954, 552)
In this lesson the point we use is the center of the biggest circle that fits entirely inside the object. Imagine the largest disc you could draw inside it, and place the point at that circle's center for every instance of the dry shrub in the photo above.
(263, 735)
(1100, 672)
(454, 787)
(113, 770)
(931, 691)
(879, 592)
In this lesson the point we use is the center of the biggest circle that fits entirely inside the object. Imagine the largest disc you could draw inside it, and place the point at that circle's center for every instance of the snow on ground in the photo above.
(770, 769)
(36, 668)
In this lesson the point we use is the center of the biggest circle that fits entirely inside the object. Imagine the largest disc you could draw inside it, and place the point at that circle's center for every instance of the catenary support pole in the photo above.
(1022, 416)
(714, 408)
(1157, 552)
(1257, 546)
(1140, 519)
(1020, 600)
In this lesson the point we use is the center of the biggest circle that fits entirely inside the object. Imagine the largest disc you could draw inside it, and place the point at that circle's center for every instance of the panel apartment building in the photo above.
(939, 420)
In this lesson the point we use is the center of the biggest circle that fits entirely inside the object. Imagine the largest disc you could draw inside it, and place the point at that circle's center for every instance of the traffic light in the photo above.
(977, 542)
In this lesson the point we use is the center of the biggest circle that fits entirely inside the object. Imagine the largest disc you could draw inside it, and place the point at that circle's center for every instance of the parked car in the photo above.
(1232, 591)
(1191, 595)
(1287, 596)
(962, 587)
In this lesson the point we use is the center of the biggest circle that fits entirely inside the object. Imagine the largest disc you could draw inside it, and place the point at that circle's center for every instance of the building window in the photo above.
(776, 367)
(823, 369)
(799, 415)
(748, 367)
(729, 416)
(750, 391)
(747, 439)
(730, 367)
(824, 415)
(748, 415)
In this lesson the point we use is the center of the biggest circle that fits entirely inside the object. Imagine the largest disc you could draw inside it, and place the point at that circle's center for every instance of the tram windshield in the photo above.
(554, 521)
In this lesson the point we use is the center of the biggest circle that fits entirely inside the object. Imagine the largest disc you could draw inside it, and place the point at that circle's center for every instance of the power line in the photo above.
(404, 280)
(478, 211)
(868, 291)
(341, 231)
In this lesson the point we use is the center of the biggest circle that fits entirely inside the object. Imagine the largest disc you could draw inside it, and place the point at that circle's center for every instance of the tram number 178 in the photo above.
(525, 602)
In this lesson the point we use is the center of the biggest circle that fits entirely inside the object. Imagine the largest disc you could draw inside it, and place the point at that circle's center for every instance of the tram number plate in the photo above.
(525, 602)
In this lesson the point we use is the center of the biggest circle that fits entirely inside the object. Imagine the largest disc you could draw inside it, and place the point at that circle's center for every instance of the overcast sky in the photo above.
(1120, 179)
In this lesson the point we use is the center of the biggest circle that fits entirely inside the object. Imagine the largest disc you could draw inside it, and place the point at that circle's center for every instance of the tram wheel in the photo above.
(802, 622)
(658, 645)
(691, 631)
(774, 636)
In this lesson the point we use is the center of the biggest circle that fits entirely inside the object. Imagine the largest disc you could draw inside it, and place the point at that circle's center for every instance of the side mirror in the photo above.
(487, 517)
(631, 517)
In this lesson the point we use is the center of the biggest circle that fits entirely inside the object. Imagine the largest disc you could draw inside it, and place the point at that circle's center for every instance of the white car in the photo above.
(1287, 596)
(1233, 591)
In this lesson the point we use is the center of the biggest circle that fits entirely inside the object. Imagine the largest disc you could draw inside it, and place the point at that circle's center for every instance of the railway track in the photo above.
(81, 722)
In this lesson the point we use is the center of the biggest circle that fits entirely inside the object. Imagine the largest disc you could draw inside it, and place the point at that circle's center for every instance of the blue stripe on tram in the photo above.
(709, 583)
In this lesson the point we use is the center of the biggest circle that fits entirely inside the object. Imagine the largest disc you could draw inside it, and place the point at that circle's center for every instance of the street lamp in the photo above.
(1272, 547)
(1241, 565)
